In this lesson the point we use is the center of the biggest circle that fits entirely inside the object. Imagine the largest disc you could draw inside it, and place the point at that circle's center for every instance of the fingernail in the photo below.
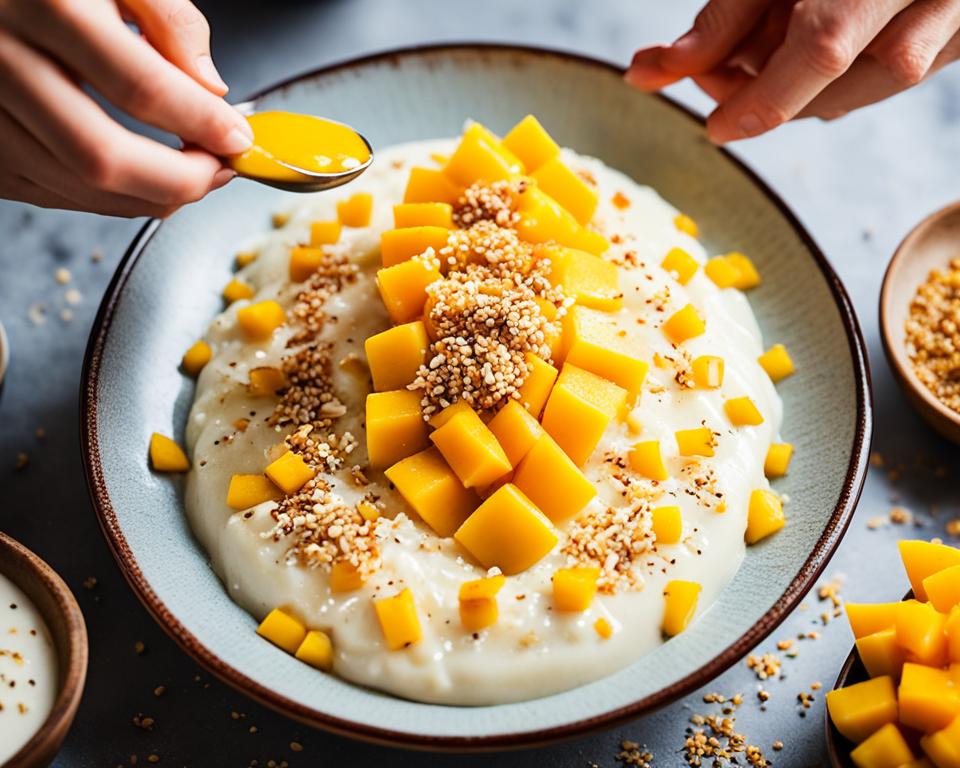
(750, 124)
(208, 72)
(687, 41)
(237, 141)
(221, 177)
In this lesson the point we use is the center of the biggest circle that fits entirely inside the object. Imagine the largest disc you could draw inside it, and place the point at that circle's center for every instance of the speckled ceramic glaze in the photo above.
(168, 288)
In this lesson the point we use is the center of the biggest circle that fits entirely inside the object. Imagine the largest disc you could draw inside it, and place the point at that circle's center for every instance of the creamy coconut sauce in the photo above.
(28, 669)
(532, 650)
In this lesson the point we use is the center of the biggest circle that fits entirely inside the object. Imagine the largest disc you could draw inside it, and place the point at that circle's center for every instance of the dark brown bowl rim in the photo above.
(72, 679)
(798, 587)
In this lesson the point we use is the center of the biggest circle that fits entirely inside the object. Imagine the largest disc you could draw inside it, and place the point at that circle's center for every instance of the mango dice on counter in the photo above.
(886, 748)
(507, 531)
(566, 187)
(574, 588)
(304, 261)
(529, 141)
(427, 483)
(356, 210)
(316, 650)
(166, 455)
(590, 280)
(742, 412)
(396, 354)
(667, 524)
(345, 577)
(428, 185)
(259, 321)
(646, 460)
(764, 515)
(423, 215)
(550, 479)
(399, 245)
(862, 709)
(247, 491)
(471, 450)
(398, 620)
(324, 232)
(684, 324)
(777, 363)
(195, 358)
(680, 604)
(283, 630)
(403, 287)
(593, 342)
(777, 460)
(265, 381)
(699, 441)
(290, 472)
(536, 387)
(236, 290)
(925, 558)
(516, 430)
(680, 264)
(395, 427)
(478, 602)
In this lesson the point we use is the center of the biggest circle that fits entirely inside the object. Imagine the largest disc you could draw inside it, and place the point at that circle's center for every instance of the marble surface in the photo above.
(858, 184)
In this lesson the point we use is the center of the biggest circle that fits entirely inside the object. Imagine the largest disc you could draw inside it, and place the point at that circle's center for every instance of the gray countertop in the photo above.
(858, 185)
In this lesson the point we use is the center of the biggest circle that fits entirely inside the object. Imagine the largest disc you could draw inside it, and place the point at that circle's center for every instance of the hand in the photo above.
(769, 61)
(59, 149)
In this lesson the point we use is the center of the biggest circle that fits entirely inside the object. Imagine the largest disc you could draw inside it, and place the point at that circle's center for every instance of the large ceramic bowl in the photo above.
(167, 290)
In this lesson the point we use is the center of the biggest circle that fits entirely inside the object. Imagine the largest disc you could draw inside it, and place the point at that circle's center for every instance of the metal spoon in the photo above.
(313, 181)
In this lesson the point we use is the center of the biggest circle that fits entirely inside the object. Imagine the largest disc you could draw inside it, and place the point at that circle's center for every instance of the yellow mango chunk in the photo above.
(921, 630)
(398, 245)
(881, 654)
(442, 417)
(929, 698)
(236, 290)
(283, 630)
(777, 363)
(166, 455)
(516, 430)
(398, 620)
(480, 157)
(645, 459)
(707, 371)
(507, 531)
(550, 479)
(764, 515)
(579, 408)
(529, 141)
(721, 272)
(304, 261)
(680, 264)
(265, 381)
(685, 224)
(260, 320)
(667, 524)
(777, 460)
(403, 287)
(428, 185)
(482, 589)
(471, 450)
(869, 618)
(747, 275)
(536, 387)
(943, 588)
(567, 188)
(290, 472)
(680, 604)
(356, 210)
(478, 614)
(396, 354)
(943, 746)
(428, 485)
(742, 412)
(407, 215)
(590, 280)
(324, 232)
(699, 441)
(924, 558)
(684, 324)
(953, 636)
(543, 220)
(316, 650)
(885, 748)
(603, 628)
(247, 491)
(244, 258)
(859, 710)
(195, 358)
(395, 427)
(344, 577)
(593, 342)
(574, 588)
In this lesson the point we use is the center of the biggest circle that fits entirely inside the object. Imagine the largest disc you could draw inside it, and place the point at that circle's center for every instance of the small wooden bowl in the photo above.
(931, 245)
(62, 615)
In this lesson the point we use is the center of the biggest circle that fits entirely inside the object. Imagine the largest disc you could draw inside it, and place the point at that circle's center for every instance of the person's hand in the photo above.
(769, 61)
(59, 149)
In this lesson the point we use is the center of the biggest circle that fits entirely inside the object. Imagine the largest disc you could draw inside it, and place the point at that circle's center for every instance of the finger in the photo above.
(25, 191)
(755, 51)
(128, 72)
(646, 73)
(85, 139)
(911, 42)
(823, 39)
(721, 83)
(180, 32)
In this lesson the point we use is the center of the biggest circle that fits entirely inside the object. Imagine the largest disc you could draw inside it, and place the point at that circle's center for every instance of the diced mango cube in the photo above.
(953, 636)
(480, 157)
(507, 531)
(403, 287)
(398, 245)
(645, 459)
(516, 430)
(398, 620)
(265, 381)
(776, 362)
(742, 412)
(471, 450)
(929, 698)
(699, 441)
(943, 588)
(316, 650)
(590, 280)
(869, 618)
(603, 628)
(881, 654)
(428, 484)
(885, 748)
(166, 455)
(529, 141)
(861, 709)
(707, 371)
(721, 272)
(562, 184)
(580, 407)
(680, 264)
(395, 427)
(482, 589)
(195, 358)
(356, 210)
(685, 224)
(247, 491)
(283, 630)
(290, 472)
(667, 524)
(443, 416)
(684, 324)
(764, 515)
(260, 320)
(943, 746)
(396, 354)
(924, 558)
(777, 460)
(245, 258)
(304, 261)
(550, 479)
(593, 342)
(236, 290)
(428, 185)
(921, 630)
(543, 219)
(680, 604)
(324, 232)
(423, 215)
(574, 588)
(345, 577)
(478, 614)
(536, 387)
(747, 275)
